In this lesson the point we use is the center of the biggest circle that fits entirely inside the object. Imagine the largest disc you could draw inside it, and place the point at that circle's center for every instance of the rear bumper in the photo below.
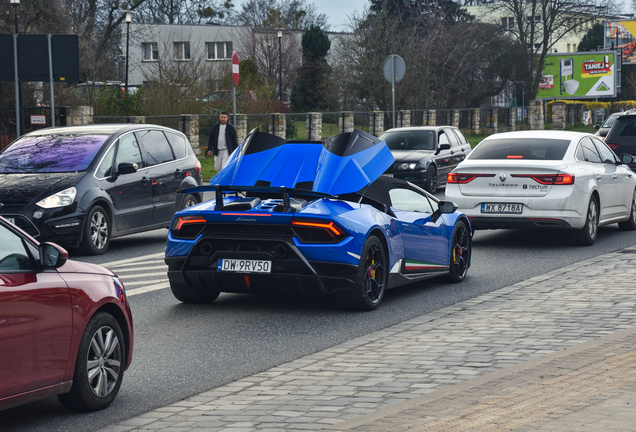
(560, 208)
(291, 271)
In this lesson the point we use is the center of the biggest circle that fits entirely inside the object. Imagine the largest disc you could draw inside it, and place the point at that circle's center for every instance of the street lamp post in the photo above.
(280, 64)
(18, 84)
(128, 20)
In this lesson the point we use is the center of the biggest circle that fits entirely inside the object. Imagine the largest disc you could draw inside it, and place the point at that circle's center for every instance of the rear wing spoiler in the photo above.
(283, 192)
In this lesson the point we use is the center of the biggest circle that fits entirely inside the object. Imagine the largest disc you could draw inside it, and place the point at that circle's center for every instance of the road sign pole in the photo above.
(17, 86)
(234, 103)
(51, 81)
(393, 87)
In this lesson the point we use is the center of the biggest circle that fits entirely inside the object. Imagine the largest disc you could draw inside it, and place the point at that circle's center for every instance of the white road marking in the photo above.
(149, 288)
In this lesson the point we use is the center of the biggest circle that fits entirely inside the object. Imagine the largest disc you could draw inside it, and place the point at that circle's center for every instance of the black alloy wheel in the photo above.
(373, 277)
(460, 253)
(431, 179)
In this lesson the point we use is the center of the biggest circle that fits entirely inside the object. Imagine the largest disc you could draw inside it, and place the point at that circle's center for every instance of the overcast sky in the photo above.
(337, 11)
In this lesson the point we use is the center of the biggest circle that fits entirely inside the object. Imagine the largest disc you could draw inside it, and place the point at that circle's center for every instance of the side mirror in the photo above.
(627, 158)
(447, 206)
(127, 168)
(443, 147)
(597, 126)
(52, 255)
(443, 207)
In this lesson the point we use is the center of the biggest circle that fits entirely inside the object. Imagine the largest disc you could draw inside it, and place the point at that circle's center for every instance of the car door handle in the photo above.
(144, 180)
(598, 177)
(177, 173)
(614, 176)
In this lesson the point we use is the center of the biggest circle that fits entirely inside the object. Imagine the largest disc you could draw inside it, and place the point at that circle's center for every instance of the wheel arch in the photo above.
(117, 313)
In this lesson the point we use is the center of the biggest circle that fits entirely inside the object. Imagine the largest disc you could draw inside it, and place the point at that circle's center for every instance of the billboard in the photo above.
(579, 75)
(620, 35)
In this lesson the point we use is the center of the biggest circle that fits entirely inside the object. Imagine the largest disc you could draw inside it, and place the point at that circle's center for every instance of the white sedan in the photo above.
(545, 179)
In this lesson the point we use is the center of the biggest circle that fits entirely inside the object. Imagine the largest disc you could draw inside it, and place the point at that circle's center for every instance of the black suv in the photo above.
(622, 136)
(80, 186)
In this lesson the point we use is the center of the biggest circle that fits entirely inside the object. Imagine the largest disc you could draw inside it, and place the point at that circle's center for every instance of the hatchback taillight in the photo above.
(614, 146)
(197, 167)
(464, 178)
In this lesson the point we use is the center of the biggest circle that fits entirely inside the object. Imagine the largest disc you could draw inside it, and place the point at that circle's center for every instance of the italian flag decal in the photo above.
(418, 265)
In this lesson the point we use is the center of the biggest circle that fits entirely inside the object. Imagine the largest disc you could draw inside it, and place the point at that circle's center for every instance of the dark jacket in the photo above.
(230, 138)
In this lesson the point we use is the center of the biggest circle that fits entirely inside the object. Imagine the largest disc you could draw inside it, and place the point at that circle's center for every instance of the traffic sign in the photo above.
(235, 68)
(394, 68)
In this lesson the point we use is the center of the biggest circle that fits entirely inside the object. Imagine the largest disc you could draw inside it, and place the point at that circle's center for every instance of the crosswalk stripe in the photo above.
(130, 260)
(149, 288)
(138, 269)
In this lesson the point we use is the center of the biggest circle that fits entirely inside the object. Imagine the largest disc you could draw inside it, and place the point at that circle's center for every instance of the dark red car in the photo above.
(65, 326)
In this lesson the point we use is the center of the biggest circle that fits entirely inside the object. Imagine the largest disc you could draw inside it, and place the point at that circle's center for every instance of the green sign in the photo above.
(578, 76)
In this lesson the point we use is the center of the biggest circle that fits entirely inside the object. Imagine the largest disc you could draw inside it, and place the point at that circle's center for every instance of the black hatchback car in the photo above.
(424, 155)
(622, 136)
(80, 186)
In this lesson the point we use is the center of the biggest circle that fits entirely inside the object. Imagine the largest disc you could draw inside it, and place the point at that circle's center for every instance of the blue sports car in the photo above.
(319, 218)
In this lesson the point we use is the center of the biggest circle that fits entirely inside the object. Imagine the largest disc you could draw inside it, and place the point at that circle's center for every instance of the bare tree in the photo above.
(290, 14)
(262, 47)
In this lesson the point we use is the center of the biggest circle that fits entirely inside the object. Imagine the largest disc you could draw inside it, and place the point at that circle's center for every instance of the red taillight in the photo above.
(560, 179)
(328, 226)
(614, 146)
(564, 179)
(316, 231)
(197, 167)
(514, 157)
(180, 221)
(464, 178)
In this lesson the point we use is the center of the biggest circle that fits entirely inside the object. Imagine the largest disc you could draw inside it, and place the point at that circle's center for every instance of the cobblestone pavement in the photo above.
(384, 380)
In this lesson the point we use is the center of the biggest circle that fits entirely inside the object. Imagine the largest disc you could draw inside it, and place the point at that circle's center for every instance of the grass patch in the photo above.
(207, 168)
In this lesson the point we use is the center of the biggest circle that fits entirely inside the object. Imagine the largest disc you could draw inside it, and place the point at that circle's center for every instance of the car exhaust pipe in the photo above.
(205, 249)
(280, 251)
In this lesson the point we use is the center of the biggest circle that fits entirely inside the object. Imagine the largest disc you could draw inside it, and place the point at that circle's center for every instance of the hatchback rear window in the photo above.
(521, 148)
(624, 127)
(51, 153)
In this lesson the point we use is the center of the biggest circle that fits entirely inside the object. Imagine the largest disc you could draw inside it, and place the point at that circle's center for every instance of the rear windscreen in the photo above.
(521, 148)
(51, 153)
(624, 127)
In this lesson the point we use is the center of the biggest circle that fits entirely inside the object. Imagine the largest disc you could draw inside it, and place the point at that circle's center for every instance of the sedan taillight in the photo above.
(464, 178)
(549, 179)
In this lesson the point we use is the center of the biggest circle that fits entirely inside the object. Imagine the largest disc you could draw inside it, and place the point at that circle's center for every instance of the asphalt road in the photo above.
(182, 350)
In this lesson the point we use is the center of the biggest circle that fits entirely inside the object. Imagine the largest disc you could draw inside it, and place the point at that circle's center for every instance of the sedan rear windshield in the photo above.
(51, 153)
(410, 140)
(521, 148)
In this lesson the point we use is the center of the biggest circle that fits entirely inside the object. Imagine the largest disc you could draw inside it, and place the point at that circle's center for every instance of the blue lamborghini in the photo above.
(316, 218)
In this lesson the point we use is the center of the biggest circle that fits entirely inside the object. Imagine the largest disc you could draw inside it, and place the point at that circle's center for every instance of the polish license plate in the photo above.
(501, 208)
(244, 266)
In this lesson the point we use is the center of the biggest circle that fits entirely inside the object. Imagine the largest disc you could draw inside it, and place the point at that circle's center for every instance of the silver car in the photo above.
(545, 179)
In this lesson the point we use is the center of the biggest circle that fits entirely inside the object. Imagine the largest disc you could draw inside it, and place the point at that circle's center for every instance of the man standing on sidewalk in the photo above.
(222, 141)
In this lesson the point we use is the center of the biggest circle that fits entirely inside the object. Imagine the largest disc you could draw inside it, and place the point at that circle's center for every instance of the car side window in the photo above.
(13, 253)
(409, 200)
(443, 139)
(155, 146)
(105, 168)
(460, 137)
(128, 151)
(178, 144)
(454, 142)
(607, 155)
(589, 151)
